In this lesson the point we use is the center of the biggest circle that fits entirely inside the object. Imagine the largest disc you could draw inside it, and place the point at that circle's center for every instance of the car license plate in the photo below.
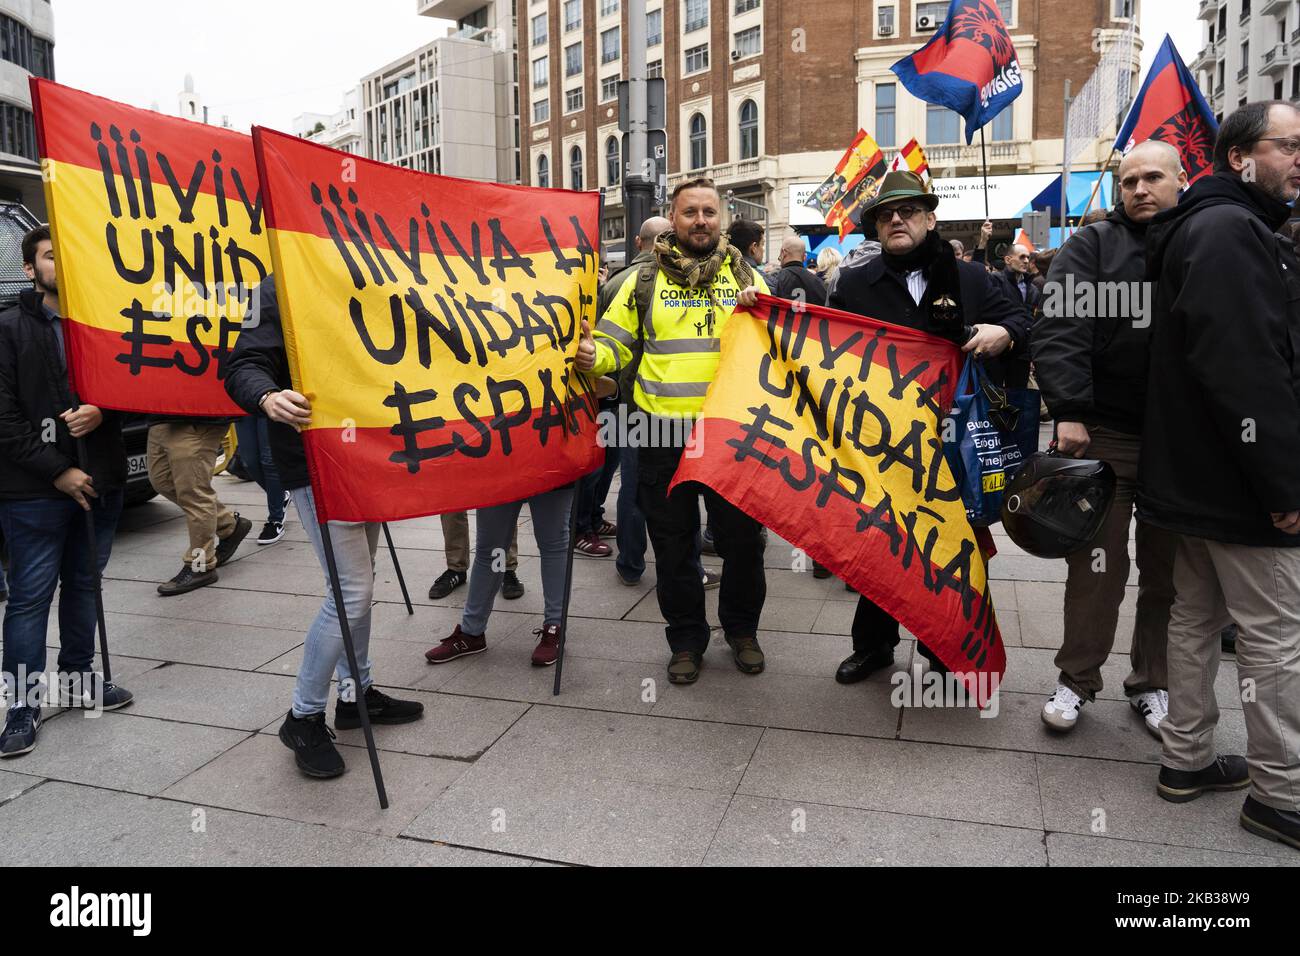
(135, 465)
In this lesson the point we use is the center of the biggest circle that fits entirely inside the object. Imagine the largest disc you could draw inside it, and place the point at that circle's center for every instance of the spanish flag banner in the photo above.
(826, 428)
(158, 243)
(432, 323)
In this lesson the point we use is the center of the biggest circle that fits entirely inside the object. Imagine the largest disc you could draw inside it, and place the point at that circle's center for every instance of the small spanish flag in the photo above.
(912, 157)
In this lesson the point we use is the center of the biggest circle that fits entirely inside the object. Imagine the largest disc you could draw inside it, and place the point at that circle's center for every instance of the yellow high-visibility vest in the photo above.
(679, 339)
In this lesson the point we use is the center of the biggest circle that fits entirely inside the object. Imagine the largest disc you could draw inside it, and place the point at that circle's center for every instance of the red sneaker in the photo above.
(458, 644)
(607, 529)
(548, 648)
(591, 545)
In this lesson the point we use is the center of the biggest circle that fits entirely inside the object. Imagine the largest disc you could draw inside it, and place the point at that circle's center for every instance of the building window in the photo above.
(1295, 82)
(749, 42)
(930, 15)
(1003, 126)
(17, 131)
(654, 28)
(886, 105)
(541, 72)
(573, 59)
(697, 58)
(573, 100)
(885, 21)
(1123, 10)
(609, 46)
(744, 6)
(572, 15)
(608, 7)
(1277, 90)
(699, 142)
(575, 168)
(653, 69)
(940, 124)
(748, 130)
(543, 172)
(608, 88)
(541, 111)
(16, 43)
(43, 58)
(612, 164)
(1004, 8)
(540, 35)
(697, 15)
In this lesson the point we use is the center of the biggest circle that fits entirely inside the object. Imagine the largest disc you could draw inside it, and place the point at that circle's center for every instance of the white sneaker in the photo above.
(1061, 712)
(1153, 705)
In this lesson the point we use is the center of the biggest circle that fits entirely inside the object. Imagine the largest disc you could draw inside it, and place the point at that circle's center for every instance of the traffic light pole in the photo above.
(638, 181)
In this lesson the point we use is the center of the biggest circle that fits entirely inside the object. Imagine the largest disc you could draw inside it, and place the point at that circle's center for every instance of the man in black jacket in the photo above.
(1221, 463)
(918, 282)
(47, 484)
(1090, 352)
(258, 381)
(793, 280)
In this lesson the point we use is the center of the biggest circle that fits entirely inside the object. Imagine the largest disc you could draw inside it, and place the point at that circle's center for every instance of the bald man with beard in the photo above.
(1092, 369)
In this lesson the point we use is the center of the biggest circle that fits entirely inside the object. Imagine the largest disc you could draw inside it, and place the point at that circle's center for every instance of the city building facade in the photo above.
(339, 130)
(1251, 52)
(765, 95)
(26, 50)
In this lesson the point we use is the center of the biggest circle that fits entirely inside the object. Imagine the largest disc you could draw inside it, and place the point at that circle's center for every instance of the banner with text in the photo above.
(158, 244)
(432, 323)
(825, 427)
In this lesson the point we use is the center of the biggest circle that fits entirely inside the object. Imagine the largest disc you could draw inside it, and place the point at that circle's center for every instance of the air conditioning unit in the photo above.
(886, 29)
(925, 23)
(735, 54)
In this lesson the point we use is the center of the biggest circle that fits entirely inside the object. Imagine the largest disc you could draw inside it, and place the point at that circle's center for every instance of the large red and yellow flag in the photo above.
(158, 244)
(826, 428)
(432, 323)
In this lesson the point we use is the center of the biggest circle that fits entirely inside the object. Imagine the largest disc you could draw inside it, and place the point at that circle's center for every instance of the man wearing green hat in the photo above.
(917, 281)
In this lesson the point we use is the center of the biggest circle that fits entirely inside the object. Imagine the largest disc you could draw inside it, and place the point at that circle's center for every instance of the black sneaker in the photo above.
(19, 735)
(1281, 826)
(1228, 639)
(447, 582)
(1226, 773)
(272, 532)
(227, 546)
(90, 690)
(188, 580)
(511, 587)
(381, 708)
(312, 743)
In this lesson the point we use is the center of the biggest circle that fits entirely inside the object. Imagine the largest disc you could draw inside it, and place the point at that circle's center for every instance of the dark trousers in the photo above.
(674, 522)
(874, 628)
(47, 538)
(593, 489)
(631, 522)
(255, 452)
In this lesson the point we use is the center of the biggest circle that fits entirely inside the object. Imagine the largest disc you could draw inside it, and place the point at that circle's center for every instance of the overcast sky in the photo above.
(266, 61)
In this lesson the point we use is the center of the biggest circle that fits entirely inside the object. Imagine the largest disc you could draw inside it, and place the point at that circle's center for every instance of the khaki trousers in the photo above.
(1098, 574)
(1259, 588)
(455, 532)
(181, 458)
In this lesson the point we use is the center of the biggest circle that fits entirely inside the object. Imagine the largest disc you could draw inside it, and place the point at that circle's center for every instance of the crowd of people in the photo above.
(1190, 391)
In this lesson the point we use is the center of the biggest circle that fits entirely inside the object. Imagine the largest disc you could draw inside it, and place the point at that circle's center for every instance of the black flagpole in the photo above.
(984, 168)
(92, 539)
(341, 613)
(573, 519)
(401, 581)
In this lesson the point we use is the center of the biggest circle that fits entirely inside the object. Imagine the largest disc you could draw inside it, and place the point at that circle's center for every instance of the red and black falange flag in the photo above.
(969, 65)
(1170, 108)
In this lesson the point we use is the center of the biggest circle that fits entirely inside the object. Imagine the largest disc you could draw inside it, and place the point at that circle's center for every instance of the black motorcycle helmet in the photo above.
(1055, 505)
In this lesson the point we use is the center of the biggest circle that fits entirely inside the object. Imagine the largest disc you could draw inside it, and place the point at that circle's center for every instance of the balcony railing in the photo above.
(1273, 6)
(1208, 10)
(1243, 74)
(747, 170)
(1273, 61)
(959, 155)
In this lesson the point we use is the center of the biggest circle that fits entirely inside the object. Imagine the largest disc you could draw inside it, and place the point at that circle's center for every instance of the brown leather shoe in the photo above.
(457, 644)
(747, 654)
(684, 667)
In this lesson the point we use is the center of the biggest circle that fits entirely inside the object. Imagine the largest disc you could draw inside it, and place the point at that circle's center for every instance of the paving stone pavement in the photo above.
(784, 768)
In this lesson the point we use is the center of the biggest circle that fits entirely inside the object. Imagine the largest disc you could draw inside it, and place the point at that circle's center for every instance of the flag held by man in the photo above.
(157, 229)
(1170, 108)
(969, 65)
(826, 428)
(432, 323)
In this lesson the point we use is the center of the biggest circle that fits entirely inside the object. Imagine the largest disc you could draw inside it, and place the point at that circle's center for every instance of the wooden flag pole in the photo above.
(341, 612)
(1096, 187)
(92, 540)
(401, 581)
(984, 168)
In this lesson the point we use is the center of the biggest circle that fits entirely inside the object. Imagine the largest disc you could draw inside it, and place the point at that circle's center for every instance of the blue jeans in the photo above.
(496, 525)
(631, 538)
(255, 453)
(323, 654)
(593, 489)
(47, 539)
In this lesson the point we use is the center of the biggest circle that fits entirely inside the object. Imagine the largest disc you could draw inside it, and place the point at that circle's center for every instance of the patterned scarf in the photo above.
(693, 273)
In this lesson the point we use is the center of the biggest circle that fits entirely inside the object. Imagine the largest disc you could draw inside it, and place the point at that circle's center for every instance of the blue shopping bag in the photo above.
(993, 431)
